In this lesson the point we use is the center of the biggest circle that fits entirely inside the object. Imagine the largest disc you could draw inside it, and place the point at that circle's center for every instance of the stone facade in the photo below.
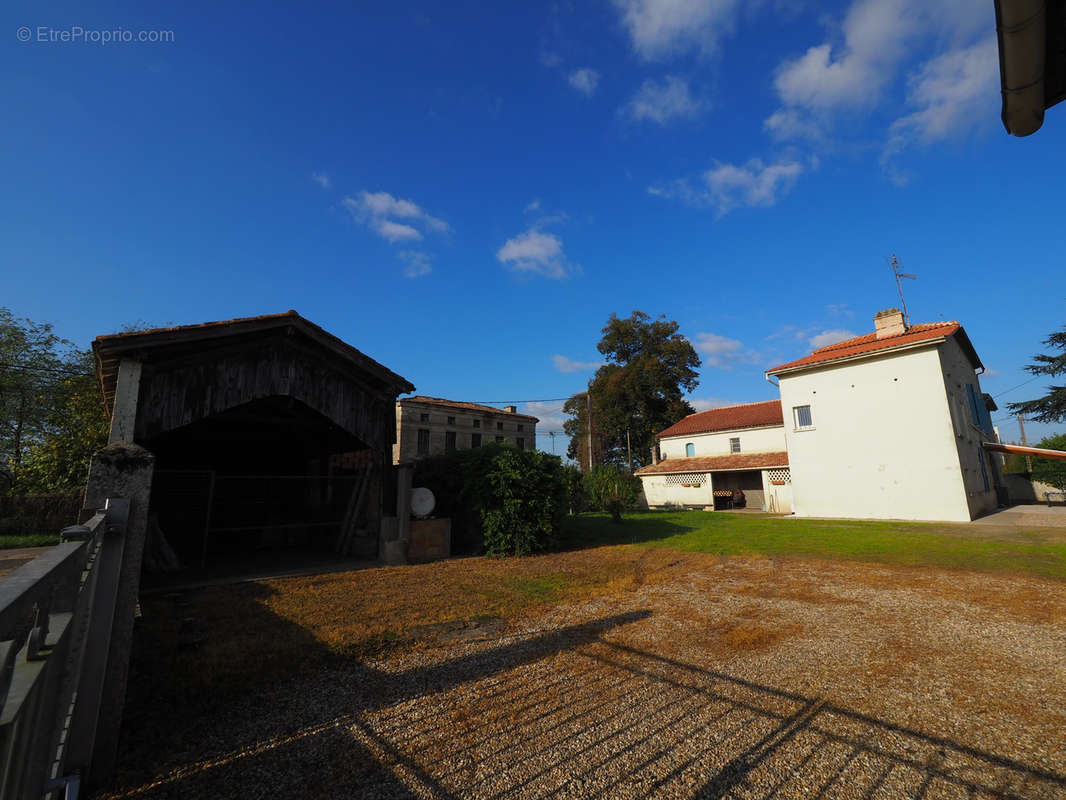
(429, 426)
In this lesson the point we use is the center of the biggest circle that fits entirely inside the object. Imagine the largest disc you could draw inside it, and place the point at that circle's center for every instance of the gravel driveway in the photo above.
(746, 678)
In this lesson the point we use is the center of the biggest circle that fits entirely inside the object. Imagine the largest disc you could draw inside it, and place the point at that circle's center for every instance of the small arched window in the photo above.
(690, 450)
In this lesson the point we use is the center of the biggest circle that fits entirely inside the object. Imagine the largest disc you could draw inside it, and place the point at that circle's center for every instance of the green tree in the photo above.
(1048, 470)
(51, 417)
(75, 428)
(639, 391)
(1052, 406)
(612, 489)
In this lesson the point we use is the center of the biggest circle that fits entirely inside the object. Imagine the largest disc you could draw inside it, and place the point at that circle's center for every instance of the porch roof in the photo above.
(727, 463)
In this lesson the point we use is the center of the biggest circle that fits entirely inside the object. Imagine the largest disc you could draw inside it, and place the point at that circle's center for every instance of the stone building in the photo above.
(429, 426)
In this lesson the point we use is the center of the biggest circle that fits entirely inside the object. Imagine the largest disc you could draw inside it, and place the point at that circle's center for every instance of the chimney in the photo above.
(655, 453)
(889, 323)
(510, 409)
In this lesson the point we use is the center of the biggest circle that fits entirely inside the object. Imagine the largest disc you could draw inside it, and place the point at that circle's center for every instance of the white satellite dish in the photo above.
(422, 502)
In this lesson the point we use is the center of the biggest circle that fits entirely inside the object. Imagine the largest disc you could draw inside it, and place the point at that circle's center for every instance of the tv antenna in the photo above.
(896, 270)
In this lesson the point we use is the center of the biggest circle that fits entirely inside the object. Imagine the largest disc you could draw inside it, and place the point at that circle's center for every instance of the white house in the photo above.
(707, 455)
(889, 425)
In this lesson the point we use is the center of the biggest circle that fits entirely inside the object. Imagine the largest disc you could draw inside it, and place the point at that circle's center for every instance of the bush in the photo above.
(1051, 471)
(28, 514)
(612, 489)
(501, 499)
(577, 497)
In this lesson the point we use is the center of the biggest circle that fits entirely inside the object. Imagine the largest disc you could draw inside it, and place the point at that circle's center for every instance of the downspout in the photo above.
(1021, 27)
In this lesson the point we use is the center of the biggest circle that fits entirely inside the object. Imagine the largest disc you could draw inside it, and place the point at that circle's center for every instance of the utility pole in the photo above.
(552, 434)
(629, 451)
(1028, 459)
(588, 422)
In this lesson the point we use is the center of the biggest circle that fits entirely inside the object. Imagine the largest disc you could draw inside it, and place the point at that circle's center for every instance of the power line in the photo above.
(1019, 386)
(45, 370)
(516, 402)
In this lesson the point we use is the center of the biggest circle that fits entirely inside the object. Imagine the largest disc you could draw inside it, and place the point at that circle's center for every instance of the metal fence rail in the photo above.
(51, 680)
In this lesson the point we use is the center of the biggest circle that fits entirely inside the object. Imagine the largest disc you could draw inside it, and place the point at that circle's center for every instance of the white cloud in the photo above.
(379, 205)
(584, 80)
(663, 101)
(418, 263)
(564, 364)
(395, 231)
(791, 123)
(550, 60)
(726, 187)
(379, 211)
(854, 67)
(724, 353)
(322, 179)
(826, 338)
(534, 205)
(535, 251)
(660, 29)
(707, 403)
(839, 310)
(551, 418)
(950, 93)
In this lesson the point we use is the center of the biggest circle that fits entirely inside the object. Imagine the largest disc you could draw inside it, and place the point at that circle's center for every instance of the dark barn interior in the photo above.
(272, 439)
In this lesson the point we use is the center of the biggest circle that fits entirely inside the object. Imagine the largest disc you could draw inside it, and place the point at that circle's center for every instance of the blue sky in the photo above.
(466, 192)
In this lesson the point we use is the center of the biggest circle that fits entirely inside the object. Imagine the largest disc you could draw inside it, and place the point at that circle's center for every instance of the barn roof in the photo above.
(461, 404)
(870, 345)
(728, 418)
(111, 349)
(737, 461)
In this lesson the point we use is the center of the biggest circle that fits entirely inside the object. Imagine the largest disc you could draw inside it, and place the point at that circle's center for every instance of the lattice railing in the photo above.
(779, 476)
(687, 479)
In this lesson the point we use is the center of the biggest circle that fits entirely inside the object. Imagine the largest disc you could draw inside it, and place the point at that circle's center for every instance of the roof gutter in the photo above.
(1021, 28)
(832, 362)
(1037, 452)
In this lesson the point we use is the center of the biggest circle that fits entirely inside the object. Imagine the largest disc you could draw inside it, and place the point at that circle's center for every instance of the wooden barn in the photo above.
(269, 434)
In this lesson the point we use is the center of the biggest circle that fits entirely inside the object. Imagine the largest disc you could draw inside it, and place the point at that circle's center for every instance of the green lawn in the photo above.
(1037, 551)
(28, 540)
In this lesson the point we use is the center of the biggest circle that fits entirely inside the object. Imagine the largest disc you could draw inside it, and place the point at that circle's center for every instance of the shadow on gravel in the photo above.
(566, 713)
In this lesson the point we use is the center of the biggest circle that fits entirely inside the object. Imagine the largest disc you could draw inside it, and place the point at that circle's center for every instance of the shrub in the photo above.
(504, 500)
(1051, 471)
(577, 497)
(612, 489)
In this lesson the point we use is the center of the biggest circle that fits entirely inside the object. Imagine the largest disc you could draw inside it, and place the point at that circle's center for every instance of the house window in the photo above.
(500, 439)
(734, 444)
(690, 450)
(451, 420)
(803, 417)
(449, 441)
(477, 423)
(423, 442)
(423, 417)
(521, 443)
(499, 426)
(521, 428)
(475, 439)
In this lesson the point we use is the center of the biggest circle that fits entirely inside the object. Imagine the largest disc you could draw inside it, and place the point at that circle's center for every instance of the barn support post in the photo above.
(127, 390)
(121, 470)
(396, 531)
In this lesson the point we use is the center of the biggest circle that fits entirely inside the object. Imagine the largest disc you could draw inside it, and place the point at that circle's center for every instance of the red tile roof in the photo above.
(716, 463)
(439, 401)
(728, 418)
(863, 345)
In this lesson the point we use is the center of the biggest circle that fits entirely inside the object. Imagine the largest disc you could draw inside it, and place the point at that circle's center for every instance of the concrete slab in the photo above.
(1028, 516)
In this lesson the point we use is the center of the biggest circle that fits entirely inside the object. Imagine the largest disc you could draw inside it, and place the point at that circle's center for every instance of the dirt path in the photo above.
(746, 678)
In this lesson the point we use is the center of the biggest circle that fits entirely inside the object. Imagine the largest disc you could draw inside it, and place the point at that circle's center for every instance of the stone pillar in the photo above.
(396, 531)
(120, 470)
